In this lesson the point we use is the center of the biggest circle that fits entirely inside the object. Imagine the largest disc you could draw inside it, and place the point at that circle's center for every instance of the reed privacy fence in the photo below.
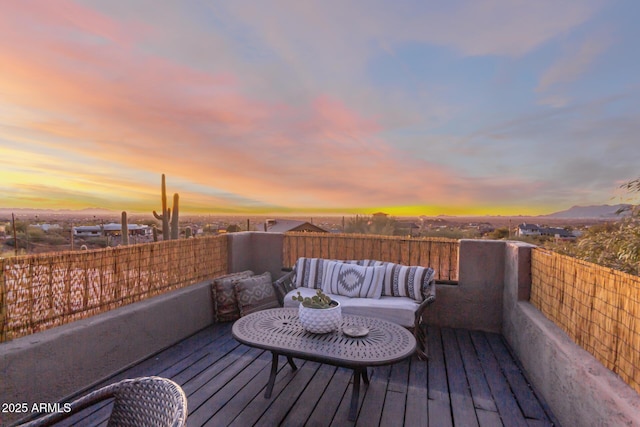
(439, 253)
(38, 292)
(599, 308)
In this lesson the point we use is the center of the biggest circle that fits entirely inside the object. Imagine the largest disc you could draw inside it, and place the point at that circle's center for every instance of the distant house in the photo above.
(536, 230)
(284, 225)
(47, 227)
(111, 229)
(556, 232)
(88, 231)
(525, 229)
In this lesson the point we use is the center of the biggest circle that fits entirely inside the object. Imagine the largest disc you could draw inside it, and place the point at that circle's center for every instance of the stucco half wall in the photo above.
(578, 388)
(52, 365)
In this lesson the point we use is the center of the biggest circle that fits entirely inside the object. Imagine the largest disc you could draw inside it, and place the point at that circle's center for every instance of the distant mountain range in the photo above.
(597, 211)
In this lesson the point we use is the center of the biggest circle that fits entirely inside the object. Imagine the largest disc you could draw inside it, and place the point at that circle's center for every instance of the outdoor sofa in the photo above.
(386, 290)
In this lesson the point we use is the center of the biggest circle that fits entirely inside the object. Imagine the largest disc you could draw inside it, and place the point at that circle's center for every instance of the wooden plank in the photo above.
(505, 401)
(488, 418)
(480, 392)
(461, 402)
(439, 406)
(438, 386)
(370, 410)
(393, 412)
(248, 389)
(190, 367)
(161, 362)
(519, 385)
(327, 407)
(310, 397)
(211, 397)
(416, 413)
(218, 368)
(89, 417)
(399, 376)
(249, 404)
(540, 423)
(440, 413)
(290, 397)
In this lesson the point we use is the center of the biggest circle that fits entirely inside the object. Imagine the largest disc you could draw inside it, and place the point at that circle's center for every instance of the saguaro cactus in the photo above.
(170, 227)
(175, 227)
(124, 229)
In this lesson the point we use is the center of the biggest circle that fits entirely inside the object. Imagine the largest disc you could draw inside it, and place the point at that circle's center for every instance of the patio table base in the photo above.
(358, 373)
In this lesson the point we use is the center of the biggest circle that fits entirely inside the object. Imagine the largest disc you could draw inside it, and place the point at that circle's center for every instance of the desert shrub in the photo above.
(36, 235)
(615, 245)
(499, 233)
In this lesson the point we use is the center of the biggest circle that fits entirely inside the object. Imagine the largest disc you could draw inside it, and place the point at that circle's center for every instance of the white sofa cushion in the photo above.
(400, 310)
(352, 280)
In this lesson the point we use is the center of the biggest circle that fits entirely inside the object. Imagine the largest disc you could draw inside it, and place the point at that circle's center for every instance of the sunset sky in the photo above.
(464, 107)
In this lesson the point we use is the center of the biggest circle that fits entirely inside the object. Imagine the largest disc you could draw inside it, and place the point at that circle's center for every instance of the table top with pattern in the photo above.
(280, 331)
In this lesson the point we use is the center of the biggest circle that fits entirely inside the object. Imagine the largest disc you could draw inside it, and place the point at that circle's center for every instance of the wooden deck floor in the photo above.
(470, 379)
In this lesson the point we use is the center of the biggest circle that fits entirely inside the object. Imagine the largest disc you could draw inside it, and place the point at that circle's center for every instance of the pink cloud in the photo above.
(87, 88)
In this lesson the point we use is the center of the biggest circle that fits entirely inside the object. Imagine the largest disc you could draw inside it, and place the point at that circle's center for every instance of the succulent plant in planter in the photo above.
(319, 300)
(319, 314)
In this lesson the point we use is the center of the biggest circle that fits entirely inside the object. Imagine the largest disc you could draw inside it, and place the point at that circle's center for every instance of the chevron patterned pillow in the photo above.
(224, 298)
(255, 293)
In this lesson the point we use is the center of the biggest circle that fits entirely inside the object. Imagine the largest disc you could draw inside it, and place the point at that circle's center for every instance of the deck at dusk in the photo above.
(470, 379)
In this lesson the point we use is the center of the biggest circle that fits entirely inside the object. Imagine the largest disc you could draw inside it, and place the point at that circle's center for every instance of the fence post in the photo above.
(3, 303)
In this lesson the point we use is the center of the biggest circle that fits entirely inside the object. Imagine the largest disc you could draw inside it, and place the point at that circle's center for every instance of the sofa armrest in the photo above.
(283, 285)
(419, 332)
(430, 298)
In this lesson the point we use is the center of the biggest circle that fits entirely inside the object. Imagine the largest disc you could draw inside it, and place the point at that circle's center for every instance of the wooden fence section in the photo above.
(439, 253)
(38, 292)
(599, 308)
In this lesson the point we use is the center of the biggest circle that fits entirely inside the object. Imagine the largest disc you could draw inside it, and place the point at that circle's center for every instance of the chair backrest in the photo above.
(152, 401)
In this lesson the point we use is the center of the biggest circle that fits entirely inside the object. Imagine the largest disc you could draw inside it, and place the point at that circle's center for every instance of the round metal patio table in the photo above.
(279, 331)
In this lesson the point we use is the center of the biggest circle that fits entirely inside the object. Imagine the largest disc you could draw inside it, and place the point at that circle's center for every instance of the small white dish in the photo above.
(355, 331)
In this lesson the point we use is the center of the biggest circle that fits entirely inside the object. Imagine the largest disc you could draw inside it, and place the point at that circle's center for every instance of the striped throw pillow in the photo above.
(406, 281)
(309, 272)
(352, 280)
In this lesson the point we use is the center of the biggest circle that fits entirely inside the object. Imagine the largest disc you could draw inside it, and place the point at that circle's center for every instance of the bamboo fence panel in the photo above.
(38, 292)
(598, 307)
(439, 253)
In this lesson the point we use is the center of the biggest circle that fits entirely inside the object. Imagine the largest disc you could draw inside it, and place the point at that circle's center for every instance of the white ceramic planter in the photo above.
(320, 320)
